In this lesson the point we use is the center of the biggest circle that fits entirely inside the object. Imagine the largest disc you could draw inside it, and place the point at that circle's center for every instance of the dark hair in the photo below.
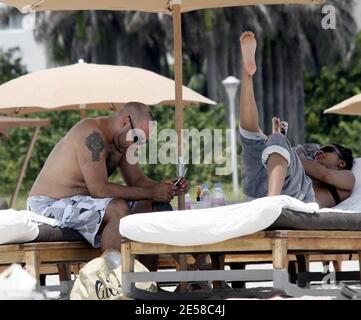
(346, 154)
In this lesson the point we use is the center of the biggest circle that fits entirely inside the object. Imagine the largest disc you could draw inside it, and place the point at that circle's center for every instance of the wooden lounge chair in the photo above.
(41, 258)
(64, 257)
(54, 251)
(280, 244)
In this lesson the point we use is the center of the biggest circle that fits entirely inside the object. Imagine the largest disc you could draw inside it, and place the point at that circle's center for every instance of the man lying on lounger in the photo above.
(273, 167)
(73, 185)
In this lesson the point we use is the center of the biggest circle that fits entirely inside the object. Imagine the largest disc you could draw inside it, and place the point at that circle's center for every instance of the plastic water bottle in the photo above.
(219, 199)
(113, 259)
(187, 198)
(206, 197)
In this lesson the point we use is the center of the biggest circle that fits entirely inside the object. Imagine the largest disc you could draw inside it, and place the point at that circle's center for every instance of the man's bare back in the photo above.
(61, 175)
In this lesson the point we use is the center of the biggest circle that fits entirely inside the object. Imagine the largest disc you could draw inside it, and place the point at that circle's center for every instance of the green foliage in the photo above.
(333, 85)
(10, 65)
(80, 28)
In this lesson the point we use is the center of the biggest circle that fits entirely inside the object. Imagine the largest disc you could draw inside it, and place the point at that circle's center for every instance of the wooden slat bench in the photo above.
(279, 244)
(40, 257)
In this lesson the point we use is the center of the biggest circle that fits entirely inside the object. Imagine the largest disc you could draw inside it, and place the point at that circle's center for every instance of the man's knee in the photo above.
(145, 206)
(117, 209)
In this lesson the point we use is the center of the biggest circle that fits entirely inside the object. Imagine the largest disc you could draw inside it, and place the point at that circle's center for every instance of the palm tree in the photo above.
(290, 41)
(132, 38)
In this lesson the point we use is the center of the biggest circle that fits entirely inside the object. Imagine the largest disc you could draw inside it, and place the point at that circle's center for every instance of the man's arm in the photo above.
(90, 148)
(133, 176)
(341, 179)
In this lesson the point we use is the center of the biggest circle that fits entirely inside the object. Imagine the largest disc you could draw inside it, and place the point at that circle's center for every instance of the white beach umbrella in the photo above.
(351, 106)
(90, 86)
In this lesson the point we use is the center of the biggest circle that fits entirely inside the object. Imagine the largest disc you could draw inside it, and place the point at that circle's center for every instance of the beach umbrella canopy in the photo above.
(351, 106)
(90, 86)
(164, 6)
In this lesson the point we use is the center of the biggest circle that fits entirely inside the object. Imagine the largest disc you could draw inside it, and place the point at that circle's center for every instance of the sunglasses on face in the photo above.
(330, 149)
(136, 139)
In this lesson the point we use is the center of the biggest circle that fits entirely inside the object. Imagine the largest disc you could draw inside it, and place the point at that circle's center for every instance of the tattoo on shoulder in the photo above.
(95, 144)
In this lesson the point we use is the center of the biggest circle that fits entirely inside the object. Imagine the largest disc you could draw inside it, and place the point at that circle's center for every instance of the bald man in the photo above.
(73, 185)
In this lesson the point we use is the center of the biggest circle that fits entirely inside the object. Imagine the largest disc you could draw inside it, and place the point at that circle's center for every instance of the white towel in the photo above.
(205, 226)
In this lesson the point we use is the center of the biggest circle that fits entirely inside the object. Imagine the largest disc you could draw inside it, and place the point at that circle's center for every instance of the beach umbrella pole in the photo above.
(177, 45)
(82, 111)
(178, 78)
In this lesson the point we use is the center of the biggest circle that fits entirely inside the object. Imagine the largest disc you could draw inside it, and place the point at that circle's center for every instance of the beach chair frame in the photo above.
(48, 258)
(280, 243)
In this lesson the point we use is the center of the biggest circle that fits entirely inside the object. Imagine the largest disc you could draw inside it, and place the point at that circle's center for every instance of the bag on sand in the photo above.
(101, 279)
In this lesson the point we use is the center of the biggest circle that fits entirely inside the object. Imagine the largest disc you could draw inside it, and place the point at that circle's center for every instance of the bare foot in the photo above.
(276, 125)
(248, 48)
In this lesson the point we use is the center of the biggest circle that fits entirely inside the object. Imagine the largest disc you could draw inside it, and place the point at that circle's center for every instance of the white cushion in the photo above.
(353, 203)
(205, 226)
(16, 227)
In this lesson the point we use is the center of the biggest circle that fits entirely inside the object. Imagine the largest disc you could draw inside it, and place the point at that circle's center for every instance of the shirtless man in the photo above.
(273, 167)
(73, 185)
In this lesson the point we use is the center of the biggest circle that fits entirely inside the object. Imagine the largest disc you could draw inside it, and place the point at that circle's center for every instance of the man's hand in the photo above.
(182, 186)
(163, 191)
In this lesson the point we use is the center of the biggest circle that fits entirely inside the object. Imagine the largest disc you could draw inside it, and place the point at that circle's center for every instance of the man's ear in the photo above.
(123, 120)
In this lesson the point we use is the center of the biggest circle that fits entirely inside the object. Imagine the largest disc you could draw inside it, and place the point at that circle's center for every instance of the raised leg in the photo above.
(249, 118)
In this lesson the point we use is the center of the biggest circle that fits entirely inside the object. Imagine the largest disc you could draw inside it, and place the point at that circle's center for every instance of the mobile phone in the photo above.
(180, 178)
(284, 127)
